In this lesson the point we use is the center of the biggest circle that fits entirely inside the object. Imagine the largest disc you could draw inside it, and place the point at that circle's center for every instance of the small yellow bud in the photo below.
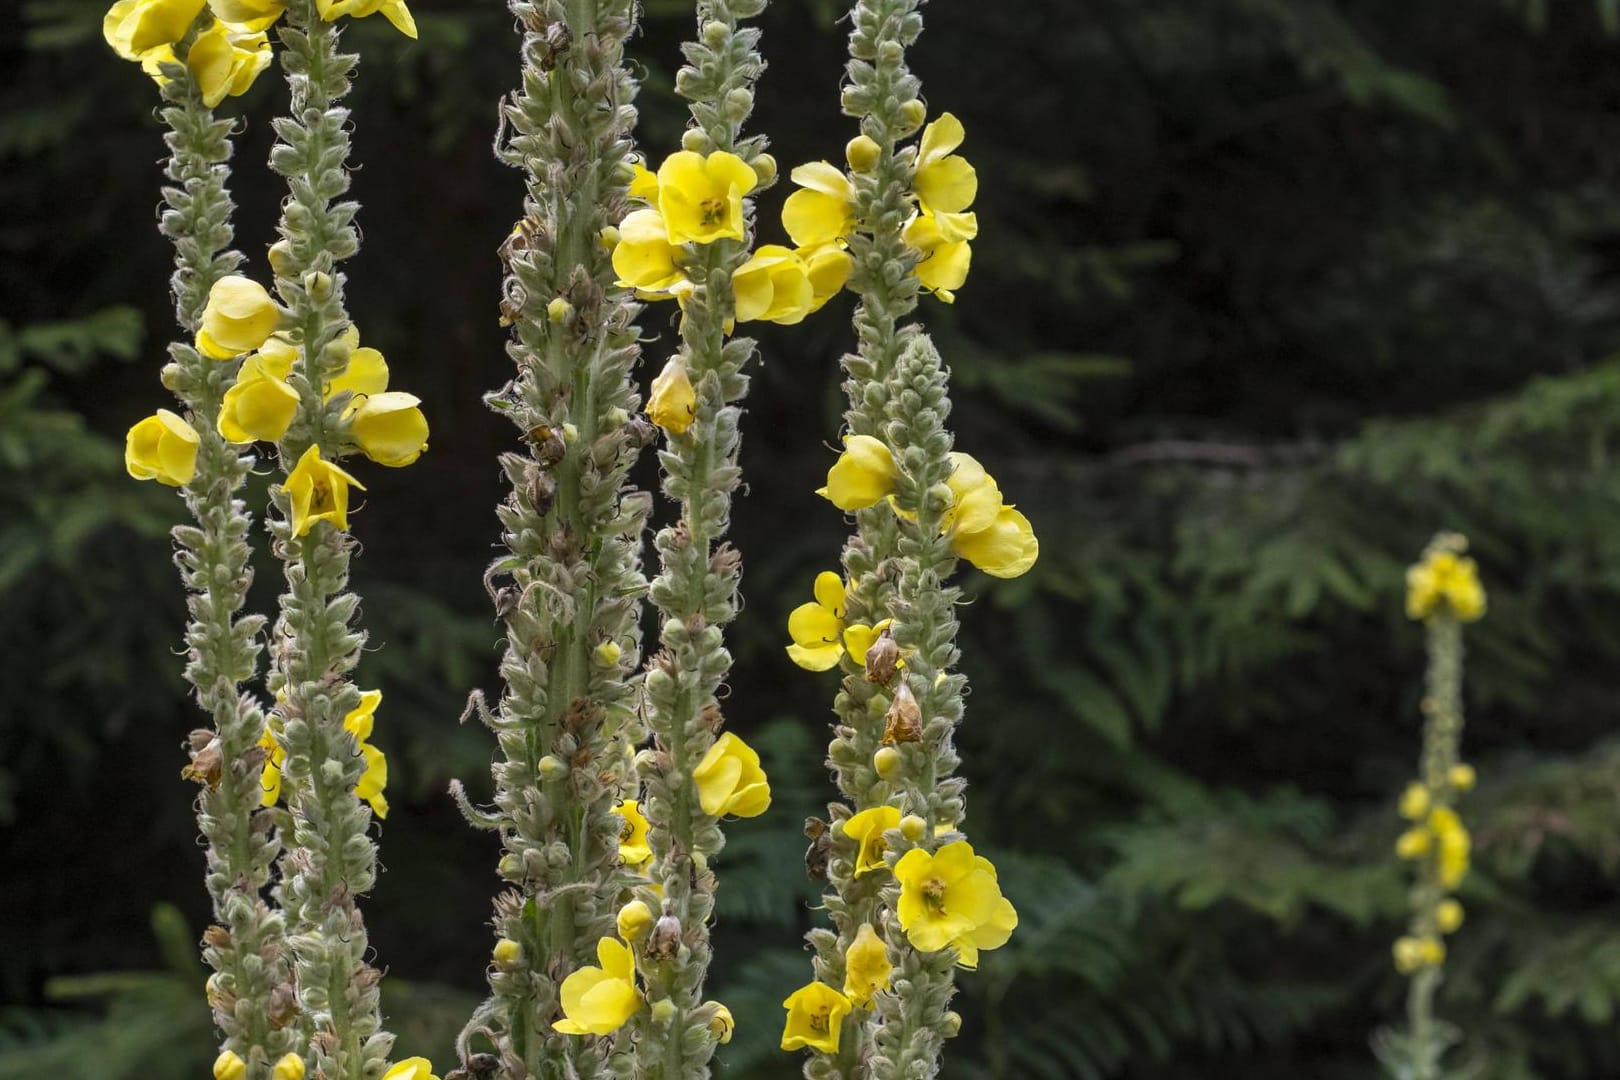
(280, 258)
(318, 285)
(553, 768)
(1448, 916)
(559, 310)
(1413, 954)
(634, 921)
(1413, 844)
(672, 405)
(507, 954)
(1414, 802)
(608, 653)
(953, 1024)
(290, 1067)
(863, 153)
(912, 115)
(913, 827)
(1461, 777)
(695, 140)
(765, 169)
(609, 237)
(570, 434)
(663, 1012)
(229, 1067)
(886, 761)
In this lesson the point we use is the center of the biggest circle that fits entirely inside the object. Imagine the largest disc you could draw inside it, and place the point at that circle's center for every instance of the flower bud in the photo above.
(721, 1025)
(290, 1067)
(739, 102)
(1448, 916)
(953, 1024)
(765, 169)
(886, 761)
(1461, 777)
(511, 866)
(696, 140)
(229, 1067)
(318, 285)
(913, 827)
(715, 33)
(863, 153)
(663, 1012)
(608, 653)
(634, 921)
(507, 954)
(559, 310)
(553, 768)
(609, 237)
(912, 115)
(280, 258)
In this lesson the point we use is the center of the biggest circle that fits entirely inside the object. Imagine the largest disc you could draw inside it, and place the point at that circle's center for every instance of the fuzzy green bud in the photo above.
(913, 827)
(552, 768)
(886, 761)
(318, 285)
(663, 1012)
(912, 115)
(280, 258)
(765, 169)
(695, 140)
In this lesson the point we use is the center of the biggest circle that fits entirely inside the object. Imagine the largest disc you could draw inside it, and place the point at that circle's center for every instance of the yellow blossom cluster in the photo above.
(357, 722)
(599, 999)
(1442, 836)
(1444, 578)
(985, 530)
(1437, 834)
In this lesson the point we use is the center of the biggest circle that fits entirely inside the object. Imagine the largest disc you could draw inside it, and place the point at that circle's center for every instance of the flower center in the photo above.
(626, 831)
(818, 1019)
(714, 211)
(933, 894)
(320, 499)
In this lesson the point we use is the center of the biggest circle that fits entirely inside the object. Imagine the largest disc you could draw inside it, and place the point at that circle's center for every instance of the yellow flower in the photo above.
(251, 14)
(394, 11)
(643, 183)
(817, 627)
(1415, 802)
(721, 1024)
(866, 966)
(944, 182)
(1448, 916)
(824, 210)
(290, 1067)
(358, 721)
(1444, 577)
(701, 197)
(1413, 844)
(319, 491)
(133, 27)
(985, 531)
(1454, 846)
(730, 781)
(772, 286)
(644, 258)
(1413, 954)
(162, 447)
(672, 405)
(946, 255)
(270, 777)
(951, 898)
(598, 1000)
(389, 428)
(1461, 777)
(260, 405)
(633, 848)
(225, 60)
(416, 1068)
(228, 1066)
(815, 1018)
(866, 829)
(365, 374)
(863, 475)
(373, 780)
(829, 267)
(239, 317)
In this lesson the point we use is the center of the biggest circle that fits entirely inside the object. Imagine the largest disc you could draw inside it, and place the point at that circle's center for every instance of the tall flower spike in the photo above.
(701, 193)
(893, 756)
(568, 583)
(328, 773)
(250, 989)
(1443, 591)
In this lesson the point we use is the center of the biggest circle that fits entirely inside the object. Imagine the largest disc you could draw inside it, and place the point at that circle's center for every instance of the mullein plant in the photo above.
(1443, 592)
(911, 900)
(568, 585)
(292, 986)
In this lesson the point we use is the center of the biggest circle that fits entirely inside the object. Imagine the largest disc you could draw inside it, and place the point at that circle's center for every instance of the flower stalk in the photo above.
(695, 589)
(250, 990)
(330, 860)
(569, 585)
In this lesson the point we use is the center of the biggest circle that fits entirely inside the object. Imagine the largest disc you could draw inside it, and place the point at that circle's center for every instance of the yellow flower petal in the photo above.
(773, 285)
(416, 1068)
(389, 428)
(162, 447)
(700, 197)
(366, 373)
(730, 781)
(866, 966)
(259, 406)
(863, 475)
(866, 829)
(1007, 549)
(319, 491)
(644, 257)
(815, 1018)
(672, 404)
(239, 317)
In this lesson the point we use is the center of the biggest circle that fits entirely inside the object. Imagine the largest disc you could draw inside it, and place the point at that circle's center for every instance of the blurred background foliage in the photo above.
(1268, 291)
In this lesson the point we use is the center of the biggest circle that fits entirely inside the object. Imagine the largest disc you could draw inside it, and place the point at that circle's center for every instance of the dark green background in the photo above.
(1267, 291)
